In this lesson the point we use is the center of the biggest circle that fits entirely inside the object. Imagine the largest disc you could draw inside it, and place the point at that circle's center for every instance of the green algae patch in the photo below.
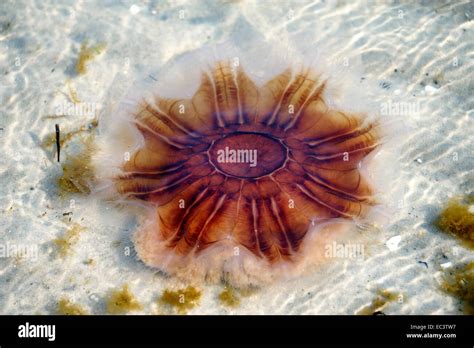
(229, 298)
(72, 93)
(381, 300)
(459, 283)
(86, 54)
(232, 297)
(181, 300)
(457, 219)
(65, 243)
(78, 172)
(66, 307)
(122, 301)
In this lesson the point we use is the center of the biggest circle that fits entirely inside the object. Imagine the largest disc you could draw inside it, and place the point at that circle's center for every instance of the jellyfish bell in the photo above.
(245, 164)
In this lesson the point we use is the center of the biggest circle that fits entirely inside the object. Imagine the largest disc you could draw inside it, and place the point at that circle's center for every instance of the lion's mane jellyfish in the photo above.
(245, 165)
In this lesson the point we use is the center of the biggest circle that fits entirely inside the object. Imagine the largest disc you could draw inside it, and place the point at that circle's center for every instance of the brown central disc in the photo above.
(247, 155)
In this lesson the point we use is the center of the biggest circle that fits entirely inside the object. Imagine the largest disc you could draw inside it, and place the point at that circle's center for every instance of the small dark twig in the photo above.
(58, 140)
(423, 263)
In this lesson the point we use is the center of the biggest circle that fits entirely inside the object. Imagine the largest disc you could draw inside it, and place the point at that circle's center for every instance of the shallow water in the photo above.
(415, 53)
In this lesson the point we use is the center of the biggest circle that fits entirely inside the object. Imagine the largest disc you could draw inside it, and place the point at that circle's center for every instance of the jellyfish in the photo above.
(245, 163)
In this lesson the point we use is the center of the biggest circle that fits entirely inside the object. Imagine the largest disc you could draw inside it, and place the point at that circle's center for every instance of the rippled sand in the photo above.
(419, 54)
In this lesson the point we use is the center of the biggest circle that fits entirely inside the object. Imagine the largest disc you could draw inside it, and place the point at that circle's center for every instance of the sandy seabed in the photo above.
(416, 53)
